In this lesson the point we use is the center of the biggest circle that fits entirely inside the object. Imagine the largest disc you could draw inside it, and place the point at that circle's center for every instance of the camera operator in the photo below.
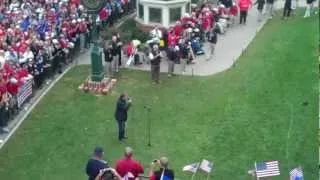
(163, 172)
(96, 163)
(108, 174)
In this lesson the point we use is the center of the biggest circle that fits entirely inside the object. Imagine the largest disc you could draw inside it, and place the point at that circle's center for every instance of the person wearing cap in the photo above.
(163, 173)
(127, 167)
(96, 163)
(155, 60)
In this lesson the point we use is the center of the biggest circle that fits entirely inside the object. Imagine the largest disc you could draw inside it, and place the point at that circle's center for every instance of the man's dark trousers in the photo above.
(121, 127)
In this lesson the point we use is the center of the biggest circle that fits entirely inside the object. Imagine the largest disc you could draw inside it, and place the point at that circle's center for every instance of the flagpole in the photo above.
(196, 170)
(208, 176)
(255, 169)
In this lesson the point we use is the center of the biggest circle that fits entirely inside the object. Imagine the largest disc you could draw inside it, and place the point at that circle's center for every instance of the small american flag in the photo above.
(24, 92)
(191, 167)
(296, 174)
(206, 166)
(267, 169)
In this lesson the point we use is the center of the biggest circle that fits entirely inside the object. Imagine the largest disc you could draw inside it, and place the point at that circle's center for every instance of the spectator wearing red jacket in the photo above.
(127, 167)
(244, 6)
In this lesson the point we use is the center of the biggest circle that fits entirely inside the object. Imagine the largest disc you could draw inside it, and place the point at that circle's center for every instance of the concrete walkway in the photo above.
(229, 47)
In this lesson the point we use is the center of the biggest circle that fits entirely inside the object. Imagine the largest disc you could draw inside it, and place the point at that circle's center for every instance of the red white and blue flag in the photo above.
(296, 174)
(267, 169)
(24, 92)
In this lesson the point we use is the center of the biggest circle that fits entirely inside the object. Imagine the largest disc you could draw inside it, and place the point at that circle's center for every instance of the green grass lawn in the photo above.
(263, 109)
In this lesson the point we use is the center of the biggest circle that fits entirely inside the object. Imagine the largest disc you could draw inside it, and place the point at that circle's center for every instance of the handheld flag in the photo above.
(191, 167)
(267, 169)
(296, 174)
(206, 166)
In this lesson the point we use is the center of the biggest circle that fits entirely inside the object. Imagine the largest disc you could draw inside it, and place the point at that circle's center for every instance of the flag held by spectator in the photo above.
(296, 174)
(267, 169)
(206, 166)
(191, 167)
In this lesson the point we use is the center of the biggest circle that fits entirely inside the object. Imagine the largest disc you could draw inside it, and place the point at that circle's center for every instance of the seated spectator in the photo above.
(128, 168)
(96, 163)
(163, 173)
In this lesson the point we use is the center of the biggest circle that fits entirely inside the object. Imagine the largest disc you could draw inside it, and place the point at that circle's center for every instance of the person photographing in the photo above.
(121, 115)
(155, 59)
(164, 173)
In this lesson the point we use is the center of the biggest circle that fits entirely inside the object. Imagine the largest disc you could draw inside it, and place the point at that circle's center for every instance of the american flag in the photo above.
(206, 166)
(24, 92)
(296, 174)
(191, 167)
(267, 169)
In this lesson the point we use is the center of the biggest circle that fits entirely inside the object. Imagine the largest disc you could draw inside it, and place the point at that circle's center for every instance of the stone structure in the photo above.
(161, 12)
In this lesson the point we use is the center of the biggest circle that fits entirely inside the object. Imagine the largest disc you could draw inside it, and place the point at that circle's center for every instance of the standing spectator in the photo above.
(114, 52)
(123, 105)
(269, 8)
(286, 9)
(3, 105)
(244, 6)
(163, 172)
(155, 59)
(260, 6)
(128, 168)
(108, 58)
(119, 47)
(213, 37)
(309, 8)
(96, 163)
(172, 57)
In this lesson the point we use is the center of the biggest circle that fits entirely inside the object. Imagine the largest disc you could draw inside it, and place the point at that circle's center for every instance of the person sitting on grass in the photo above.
(163, 173)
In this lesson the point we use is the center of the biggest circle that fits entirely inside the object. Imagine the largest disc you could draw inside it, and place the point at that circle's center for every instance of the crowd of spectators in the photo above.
(37, 39)
(127, 168)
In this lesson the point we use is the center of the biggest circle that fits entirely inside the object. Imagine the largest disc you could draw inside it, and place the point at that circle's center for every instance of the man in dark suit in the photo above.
(123, 104)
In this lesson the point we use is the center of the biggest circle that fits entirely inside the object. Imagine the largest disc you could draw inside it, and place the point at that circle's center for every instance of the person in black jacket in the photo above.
(123, 105)
(108, 58)
(213, 38)
(286, 9)
(96, 163)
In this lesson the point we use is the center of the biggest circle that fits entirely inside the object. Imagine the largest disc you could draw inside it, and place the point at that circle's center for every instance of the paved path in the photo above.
(229, 48)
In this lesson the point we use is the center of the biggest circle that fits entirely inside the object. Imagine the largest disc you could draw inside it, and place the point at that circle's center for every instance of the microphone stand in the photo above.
(148, 126)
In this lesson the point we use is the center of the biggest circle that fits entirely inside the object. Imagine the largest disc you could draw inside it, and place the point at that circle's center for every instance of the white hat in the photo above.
(196, 30)
(79, 20)
(176, 48)
(73, 21)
